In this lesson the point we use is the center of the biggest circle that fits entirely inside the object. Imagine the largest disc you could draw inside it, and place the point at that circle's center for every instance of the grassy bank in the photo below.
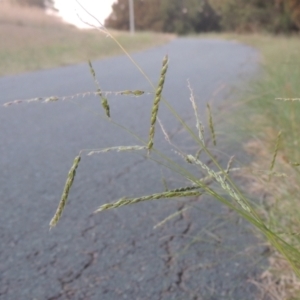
(270, 120)
(35, 41)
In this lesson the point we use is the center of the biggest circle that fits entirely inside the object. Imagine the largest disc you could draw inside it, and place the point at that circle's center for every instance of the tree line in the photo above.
(188, 16)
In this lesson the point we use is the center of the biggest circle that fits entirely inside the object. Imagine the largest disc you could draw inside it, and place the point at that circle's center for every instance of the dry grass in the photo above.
(39, 41)
(276, 191)
(279, 282)
(279, 207)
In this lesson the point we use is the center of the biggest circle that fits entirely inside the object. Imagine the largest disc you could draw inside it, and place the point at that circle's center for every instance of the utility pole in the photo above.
(131, 17)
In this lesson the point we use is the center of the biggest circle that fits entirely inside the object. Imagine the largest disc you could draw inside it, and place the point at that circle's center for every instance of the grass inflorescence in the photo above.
(177, 193)
(66, 191)
(117, 149)
(104, 100)
(211, 124)
(199, 124)
(157, 101)
(225, 186)
(48, 99)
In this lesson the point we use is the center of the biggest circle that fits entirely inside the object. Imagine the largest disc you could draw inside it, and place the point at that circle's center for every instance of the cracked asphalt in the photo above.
(204, 252)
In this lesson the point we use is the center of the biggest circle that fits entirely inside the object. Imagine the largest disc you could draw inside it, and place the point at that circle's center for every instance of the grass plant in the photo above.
(280, 224)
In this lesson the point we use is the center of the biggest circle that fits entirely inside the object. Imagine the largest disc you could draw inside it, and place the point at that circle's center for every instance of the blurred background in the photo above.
(44, 33)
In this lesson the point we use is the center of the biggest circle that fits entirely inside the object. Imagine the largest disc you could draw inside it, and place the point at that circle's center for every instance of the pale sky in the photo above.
(68, 8)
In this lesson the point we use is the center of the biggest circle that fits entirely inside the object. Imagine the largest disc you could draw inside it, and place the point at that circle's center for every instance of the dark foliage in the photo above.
(180, 16)
(258, 15)
(186, 16)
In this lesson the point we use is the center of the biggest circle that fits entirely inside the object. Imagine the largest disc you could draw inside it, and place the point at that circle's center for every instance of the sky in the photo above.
(68, 9)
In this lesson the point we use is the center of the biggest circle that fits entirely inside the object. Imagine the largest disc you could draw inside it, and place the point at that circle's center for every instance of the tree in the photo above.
(256, 15)
(294, 9)
(184, 16)
(119, 18)
(180, 16)
(147, 15)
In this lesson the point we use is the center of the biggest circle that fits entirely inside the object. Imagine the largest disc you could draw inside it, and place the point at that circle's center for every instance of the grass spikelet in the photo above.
(170, 217)
(209, 177)
(288, 99)
(92, 71)
(157, 101)
(229, 164)
(211, 124)
(182, 192)
(117, 149)
(135, 93)
(105, 105)
(51, 99)
(104, 100)
(217, 176)
(100, 93)
(65, 194)
(199, 125)
(275, 151)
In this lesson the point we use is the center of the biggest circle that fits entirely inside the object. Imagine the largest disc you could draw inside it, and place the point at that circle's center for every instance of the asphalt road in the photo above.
(202, 253)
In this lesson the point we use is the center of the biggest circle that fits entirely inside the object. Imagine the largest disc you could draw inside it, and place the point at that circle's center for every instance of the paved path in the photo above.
(116, 254)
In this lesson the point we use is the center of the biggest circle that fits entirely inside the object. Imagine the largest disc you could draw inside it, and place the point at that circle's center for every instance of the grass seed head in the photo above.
(117, 149)
(92, 70)
(105, 105)
(199, 125)
(211, 124)
(182, 192)
(135, 93)
(229, 164)
(104, 100)
(170, 217)
(217, 176)
(157, 101)
(65, 194)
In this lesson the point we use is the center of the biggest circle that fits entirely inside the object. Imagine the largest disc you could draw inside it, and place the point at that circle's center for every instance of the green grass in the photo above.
(262, 117)
(38, 41)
